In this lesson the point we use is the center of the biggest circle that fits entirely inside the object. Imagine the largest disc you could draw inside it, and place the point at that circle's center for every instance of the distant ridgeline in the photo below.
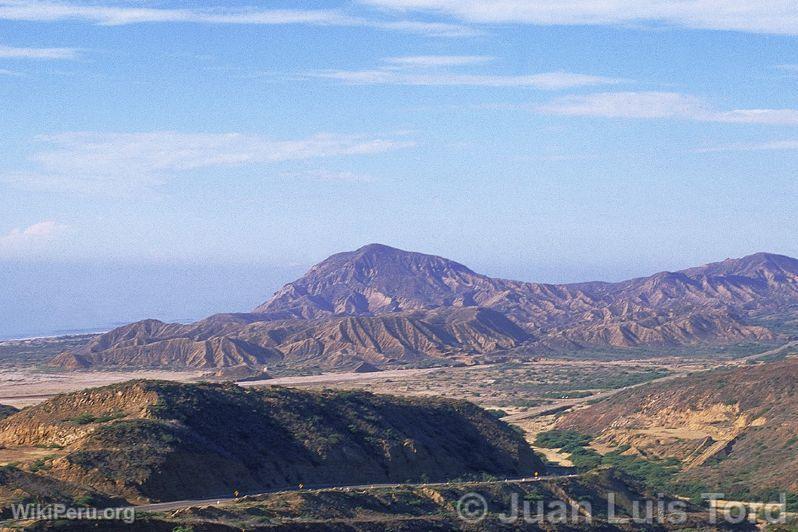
(389, 307)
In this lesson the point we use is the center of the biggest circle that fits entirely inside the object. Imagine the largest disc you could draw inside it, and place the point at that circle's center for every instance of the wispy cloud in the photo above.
(114, 14)
(650, 105)
(121, 163)
(434, 70)
(31, 238)
(431, 61)
(771, 145)
(329, 175)
(761, 16)
(9, 52)
(4, 72)
(436, 29)
(544, 81)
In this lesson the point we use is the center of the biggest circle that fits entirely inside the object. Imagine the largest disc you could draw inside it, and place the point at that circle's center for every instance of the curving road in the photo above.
(177, 505)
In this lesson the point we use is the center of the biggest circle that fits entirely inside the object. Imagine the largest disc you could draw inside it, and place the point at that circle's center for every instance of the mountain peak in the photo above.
(386, 253)
(376, 247)
(755, 265)
(376, 278)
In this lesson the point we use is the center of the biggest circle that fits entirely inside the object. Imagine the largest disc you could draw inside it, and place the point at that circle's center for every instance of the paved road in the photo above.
(177, 505)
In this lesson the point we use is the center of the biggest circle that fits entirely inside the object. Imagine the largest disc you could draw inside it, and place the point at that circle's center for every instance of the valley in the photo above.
(384, 384)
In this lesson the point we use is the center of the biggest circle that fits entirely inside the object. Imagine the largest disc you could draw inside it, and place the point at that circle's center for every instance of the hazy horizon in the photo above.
(553, 142)
(61, 298)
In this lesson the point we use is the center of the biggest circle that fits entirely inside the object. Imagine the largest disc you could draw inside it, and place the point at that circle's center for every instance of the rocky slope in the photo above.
(425, 509)
(735, 430)
(384, 305)
(23, 487)
(709, 303)
(150, 440)
(335, 342)
(6, 411)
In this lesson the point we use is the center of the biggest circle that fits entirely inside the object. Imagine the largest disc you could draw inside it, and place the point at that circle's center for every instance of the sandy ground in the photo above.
(340, 378)
(25, 387)
(22, 387)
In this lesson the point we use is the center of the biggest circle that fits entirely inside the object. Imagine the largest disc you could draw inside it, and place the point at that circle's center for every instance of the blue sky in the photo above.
(551, 140)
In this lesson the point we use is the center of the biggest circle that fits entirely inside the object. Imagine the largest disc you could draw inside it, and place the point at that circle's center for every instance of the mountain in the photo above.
(151, 440)
(387, 306)
(334, 342)
(734, 430)
(705, 304)
(378, 279)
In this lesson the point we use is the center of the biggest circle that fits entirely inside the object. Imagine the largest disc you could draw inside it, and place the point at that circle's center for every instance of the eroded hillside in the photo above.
(151, 440)
(735, 430)
(387, 306)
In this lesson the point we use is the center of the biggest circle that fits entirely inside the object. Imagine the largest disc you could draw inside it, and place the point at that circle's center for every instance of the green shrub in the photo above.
(84, 419)
(566, 440)
(87, 418)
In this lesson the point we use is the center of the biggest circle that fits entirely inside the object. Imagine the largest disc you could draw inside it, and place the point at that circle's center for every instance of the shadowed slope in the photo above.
(162, 441)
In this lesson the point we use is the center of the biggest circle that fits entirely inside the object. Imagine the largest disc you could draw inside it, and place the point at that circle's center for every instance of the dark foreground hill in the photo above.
(387, 306)
(734, 430)
(151, 440)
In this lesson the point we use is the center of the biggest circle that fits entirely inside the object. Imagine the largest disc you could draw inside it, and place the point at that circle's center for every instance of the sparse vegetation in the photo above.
(87, 418)
(42, 464)
(565, 440)
(657, 474)
(744, 416)
(230, 437)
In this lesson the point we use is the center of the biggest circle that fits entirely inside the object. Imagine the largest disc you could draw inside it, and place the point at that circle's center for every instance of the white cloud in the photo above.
(118, 15)
(125, 162)
(8, 52)
(661, 105)
(757, 116)
(760, 16)
(626, 105)
(437, 29)
(545, 81)
(4, 72)
(329, 175)
(30, 238)
(437, 70)
(429, 61)
(771, 145)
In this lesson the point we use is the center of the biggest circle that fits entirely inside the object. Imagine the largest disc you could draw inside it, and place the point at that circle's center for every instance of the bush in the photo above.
(86, 418)
(566, 440)
(585, 459)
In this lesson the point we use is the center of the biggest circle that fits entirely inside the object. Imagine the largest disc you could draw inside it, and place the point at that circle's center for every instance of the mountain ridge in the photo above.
(383, 305)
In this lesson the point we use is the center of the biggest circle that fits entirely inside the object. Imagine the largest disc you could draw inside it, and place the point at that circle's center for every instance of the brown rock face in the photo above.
(333, 342)
(734, 429)
(380, 304)
(705, 304)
